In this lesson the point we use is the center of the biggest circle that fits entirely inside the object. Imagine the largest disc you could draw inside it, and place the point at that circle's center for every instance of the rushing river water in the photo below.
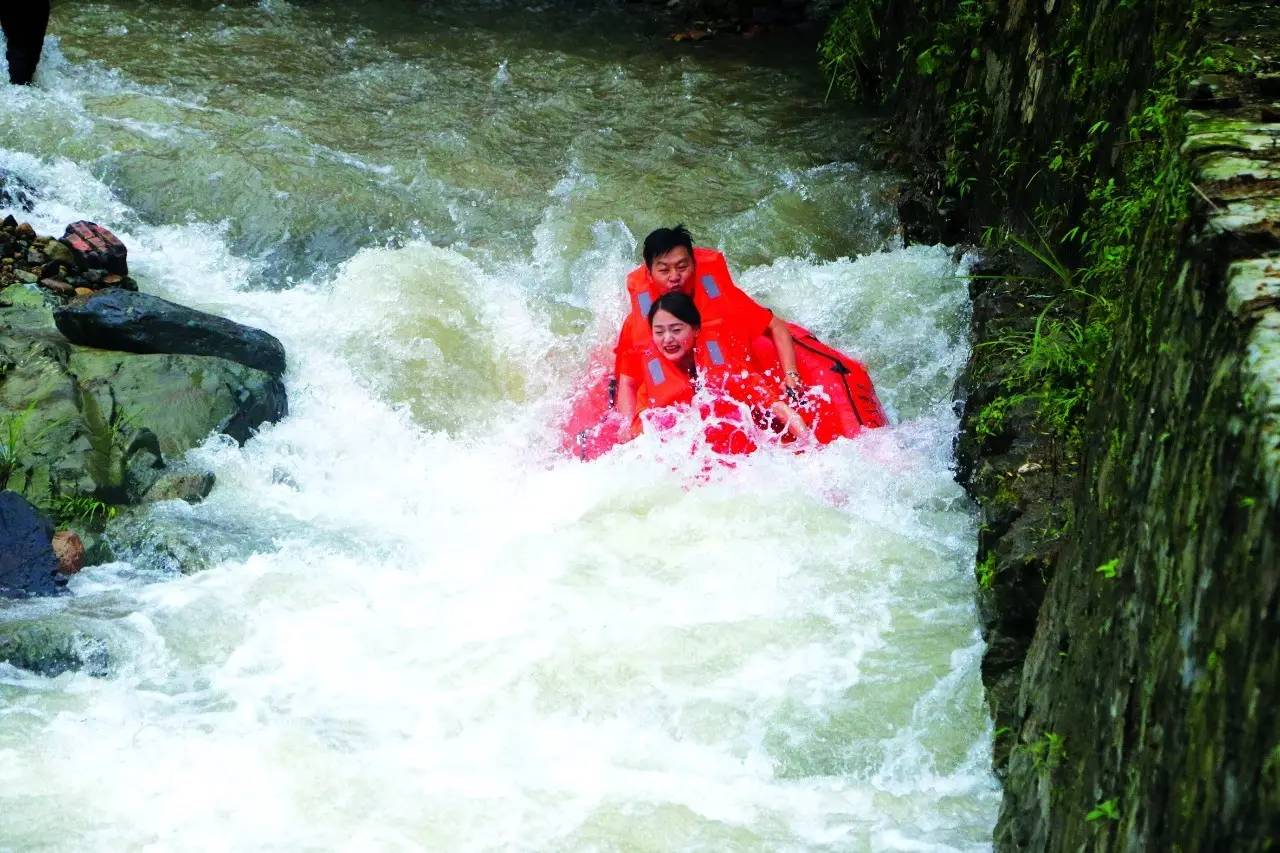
(416, 626)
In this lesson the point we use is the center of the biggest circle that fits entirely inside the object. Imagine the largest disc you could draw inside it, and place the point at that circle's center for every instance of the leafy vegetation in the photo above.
(986, 572)
(1107, 809)
(849, 54)
(16, 441)
(80, 509)
(1047, 752)
(19, 440)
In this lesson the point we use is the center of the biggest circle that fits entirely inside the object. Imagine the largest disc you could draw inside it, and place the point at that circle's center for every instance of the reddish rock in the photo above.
(69, 550)
(94, 247)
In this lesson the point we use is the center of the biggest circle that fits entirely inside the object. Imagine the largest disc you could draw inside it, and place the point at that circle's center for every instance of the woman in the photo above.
(686, 358)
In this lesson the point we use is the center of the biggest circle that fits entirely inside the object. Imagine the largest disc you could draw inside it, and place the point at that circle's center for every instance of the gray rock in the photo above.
(137, 322)
(102, 423)
(58, 251)
(190, 486)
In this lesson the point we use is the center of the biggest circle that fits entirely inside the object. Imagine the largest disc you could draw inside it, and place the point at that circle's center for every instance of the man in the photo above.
(672, 263)
(24, 23)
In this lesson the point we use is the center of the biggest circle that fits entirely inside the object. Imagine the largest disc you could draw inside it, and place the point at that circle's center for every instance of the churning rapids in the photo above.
(415, 626)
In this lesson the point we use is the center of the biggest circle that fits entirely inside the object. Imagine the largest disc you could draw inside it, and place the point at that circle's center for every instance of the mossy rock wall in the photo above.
(1005, 111)
(1156, 660)
(1120, 163)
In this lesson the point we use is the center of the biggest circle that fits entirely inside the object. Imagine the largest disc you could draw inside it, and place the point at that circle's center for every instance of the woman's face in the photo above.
(672, 336)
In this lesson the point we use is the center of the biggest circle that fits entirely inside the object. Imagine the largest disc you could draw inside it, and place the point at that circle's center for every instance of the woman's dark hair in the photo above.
(659, 242)
(679, 305)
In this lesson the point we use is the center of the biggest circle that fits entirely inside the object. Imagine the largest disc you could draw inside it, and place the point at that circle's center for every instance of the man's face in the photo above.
(674, 270)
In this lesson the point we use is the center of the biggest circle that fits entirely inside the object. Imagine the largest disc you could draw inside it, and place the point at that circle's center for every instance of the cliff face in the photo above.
(1122, 410)
(1150, 682)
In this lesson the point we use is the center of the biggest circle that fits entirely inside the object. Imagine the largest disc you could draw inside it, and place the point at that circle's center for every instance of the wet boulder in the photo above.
(116, 319)
(107, 424)
(28, 565)
(190, 485)
(50, 647)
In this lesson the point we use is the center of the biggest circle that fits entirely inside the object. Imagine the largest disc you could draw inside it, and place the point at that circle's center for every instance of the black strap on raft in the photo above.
(613, 392)
(838, 368)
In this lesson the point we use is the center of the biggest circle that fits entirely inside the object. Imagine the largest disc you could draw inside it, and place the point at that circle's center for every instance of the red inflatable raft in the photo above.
(845, 401)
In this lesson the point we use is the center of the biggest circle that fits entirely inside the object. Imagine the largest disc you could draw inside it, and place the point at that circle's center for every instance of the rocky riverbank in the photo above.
(102, 391)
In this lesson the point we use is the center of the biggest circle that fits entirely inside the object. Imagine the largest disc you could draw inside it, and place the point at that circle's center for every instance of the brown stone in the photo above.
(25, 232)
(69, 550)
(59, 287)
(112, 280)
(84, 291)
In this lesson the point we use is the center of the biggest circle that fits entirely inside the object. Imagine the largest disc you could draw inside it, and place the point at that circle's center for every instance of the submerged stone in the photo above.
(15, 192)
(52, 647)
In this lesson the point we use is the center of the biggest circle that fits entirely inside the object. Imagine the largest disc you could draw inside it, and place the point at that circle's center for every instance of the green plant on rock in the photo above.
(1054, 365)
(849, 52)
(990, 419)
(1047, 752)
(964, 119)
(16, 440)
(108, 435)
(986, 572)
(1109, 568)
(1105, 810)
(80, 509)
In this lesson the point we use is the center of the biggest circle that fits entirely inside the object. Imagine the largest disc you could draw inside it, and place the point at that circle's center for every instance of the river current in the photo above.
(404, 621)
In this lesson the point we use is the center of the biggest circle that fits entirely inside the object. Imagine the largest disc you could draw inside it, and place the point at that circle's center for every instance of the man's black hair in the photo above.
(679, 305)
(664, 240)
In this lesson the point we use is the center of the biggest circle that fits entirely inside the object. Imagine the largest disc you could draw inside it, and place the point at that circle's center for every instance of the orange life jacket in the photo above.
(711, 279)
(665, 384)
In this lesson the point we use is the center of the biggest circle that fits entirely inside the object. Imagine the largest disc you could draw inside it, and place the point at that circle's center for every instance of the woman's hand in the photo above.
(791, 419)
